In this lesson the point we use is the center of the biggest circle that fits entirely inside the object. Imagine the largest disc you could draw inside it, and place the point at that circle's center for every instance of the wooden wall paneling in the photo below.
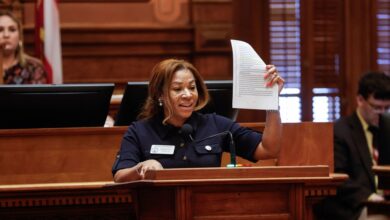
(15, 6)
(212, 22)
(111, 13)
(212, 52)
(198, 30)
(213, 38)
(358, 59)
(124, 47)
(215, 24)
(95, 56)
(117, 46)
(250, 24)
(307, 58)
(374, 34)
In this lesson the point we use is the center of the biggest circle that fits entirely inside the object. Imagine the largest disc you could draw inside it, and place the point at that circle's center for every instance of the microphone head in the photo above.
(187, 129)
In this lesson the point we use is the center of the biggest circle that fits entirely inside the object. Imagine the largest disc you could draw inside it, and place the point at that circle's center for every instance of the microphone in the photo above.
(232, 147)
(187, 129)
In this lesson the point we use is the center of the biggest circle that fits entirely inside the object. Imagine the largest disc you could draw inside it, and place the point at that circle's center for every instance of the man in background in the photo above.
(361, 141)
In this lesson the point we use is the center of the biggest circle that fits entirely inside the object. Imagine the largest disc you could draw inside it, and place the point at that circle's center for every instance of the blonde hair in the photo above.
(159, 84)
(19, 53)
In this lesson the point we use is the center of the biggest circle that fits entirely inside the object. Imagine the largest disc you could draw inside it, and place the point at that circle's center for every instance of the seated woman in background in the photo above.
(18, 67)
(156, 141)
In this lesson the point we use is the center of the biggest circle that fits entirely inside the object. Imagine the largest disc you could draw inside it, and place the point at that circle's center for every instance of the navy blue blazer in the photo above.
(205, 150)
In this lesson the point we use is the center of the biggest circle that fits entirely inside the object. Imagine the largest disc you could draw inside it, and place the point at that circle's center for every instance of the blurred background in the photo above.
(321, 47)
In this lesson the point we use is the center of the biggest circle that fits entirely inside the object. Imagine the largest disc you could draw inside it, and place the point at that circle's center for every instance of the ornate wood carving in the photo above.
(61, 199)
(65, 201)
(168, 10)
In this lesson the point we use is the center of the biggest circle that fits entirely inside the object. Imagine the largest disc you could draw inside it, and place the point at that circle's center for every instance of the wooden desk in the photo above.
(381, 208)
(383, 173)
(58, 155)
(232, 193)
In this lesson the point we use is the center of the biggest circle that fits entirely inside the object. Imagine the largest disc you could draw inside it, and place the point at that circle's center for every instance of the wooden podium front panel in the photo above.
(156, 203)
(212, 202)
(275, 201)
(222, 194)
(228, 197)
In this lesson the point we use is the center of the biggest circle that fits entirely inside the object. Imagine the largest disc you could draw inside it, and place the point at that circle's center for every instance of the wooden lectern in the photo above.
(280, 192)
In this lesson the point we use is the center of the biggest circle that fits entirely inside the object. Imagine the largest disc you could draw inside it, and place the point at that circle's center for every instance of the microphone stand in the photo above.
(232, 149)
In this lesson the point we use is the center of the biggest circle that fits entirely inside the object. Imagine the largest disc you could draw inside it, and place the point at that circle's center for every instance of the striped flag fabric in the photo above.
(48, 38)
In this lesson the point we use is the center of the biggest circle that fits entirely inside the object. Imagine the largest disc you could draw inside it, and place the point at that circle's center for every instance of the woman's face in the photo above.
(183, 96)
(9, 34)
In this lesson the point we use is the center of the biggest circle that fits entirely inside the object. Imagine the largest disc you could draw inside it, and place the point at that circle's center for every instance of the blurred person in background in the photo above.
(18, 67)
(361, 141)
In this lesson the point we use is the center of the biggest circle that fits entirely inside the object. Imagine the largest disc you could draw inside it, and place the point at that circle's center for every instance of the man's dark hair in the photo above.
(376, 84)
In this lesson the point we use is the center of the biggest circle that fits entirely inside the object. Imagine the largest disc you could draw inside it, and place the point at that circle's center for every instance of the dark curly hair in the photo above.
(376, 84)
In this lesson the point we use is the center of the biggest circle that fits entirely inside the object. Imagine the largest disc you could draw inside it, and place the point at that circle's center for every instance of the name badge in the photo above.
(162, 149)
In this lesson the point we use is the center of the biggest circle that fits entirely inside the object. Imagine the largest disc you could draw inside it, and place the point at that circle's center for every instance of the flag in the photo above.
(48, 38)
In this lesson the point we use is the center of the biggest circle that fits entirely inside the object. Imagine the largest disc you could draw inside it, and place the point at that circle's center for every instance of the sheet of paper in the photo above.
(249, 85)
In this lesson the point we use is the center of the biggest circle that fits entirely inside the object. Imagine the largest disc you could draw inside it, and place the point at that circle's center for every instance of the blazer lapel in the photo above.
(362, 146)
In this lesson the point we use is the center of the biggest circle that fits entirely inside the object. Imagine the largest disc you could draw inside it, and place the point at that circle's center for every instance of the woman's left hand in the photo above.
(272, 76)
